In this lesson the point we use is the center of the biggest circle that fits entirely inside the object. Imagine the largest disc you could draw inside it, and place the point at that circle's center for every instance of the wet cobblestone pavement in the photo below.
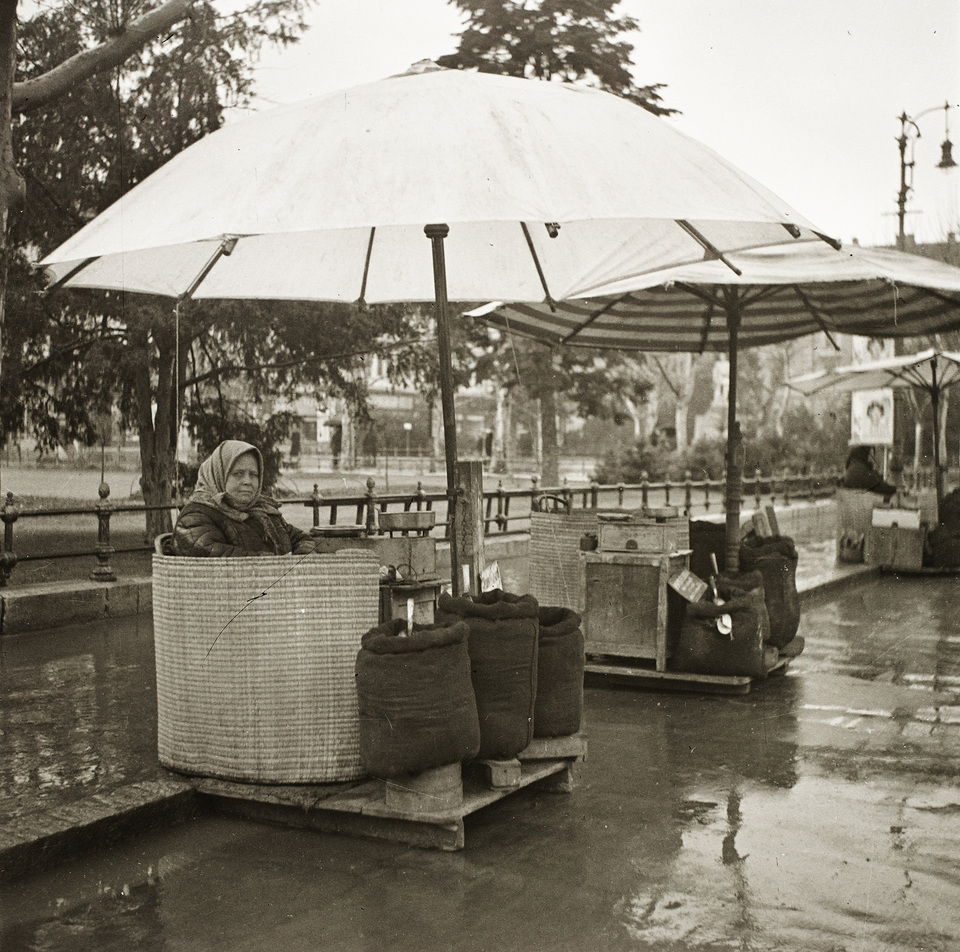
(820, 812)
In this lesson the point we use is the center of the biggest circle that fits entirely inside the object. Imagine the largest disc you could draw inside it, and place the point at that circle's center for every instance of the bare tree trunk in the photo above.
(685, 378)
(549, 435)
(11, 184)
(157, 449)
(500, 428)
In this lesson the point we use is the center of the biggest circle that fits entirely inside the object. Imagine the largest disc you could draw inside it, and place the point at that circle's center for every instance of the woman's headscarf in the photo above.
(211, 489)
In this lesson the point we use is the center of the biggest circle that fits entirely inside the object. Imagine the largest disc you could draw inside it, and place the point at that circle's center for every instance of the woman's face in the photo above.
(244, 479)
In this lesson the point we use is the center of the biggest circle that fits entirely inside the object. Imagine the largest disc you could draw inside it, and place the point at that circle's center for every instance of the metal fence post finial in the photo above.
(8, 558)
(103, 572)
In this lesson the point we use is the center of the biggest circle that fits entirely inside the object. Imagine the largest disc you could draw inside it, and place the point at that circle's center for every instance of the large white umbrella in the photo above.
(930, 371)
(528, 191)
(778, 294)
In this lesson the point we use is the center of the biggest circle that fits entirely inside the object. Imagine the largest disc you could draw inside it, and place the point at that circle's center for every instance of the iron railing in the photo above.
(505, 511)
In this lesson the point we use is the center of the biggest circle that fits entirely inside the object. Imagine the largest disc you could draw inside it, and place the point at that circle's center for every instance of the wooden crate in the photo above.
(895, 548)
(424, 592)
(645, 535)
(629, 609)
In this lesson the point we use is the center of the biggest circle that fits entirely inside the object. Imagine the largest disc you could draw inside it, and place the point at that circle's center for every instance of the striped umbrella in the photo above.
(930, 372)
(775, 294)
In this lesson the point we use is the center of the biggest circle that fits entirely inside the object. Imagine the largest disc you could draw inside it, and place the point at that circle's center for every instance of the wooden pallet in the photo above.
(635, 672)
(921, 570)
(366, 808)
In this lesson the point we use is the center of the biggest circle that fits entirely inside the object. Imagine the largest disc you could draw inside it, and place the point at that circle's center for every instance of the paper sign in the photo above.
(688, 585)
(490, 578)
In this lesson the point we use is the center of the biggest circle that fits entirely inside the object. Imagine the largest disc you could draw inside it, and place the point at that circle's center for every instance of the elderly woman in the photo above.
(228, 515)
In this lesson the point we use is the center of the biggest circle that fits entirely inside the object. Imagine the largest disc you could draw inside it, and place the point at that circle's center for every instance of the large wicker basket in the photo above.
(255, 664)
(555, 556)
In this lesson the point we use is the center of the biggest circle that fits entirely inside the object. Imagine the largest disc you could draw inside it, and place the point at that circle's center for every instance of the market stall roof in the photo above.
(782, 293)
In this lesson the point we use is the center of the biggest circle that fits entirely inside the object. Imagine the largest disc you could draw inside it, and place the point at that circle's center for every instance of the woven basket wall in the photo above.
(555, 556)
(255, 664)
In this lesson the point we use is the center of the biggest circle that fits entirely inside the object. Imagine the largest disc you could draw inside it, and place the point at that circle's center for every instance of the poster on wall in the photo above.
(866, 350)
(871, 418)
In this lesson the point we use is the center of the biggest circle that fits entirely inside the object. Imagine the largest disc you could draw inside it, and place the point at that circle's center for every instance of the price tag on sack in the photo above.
(688, 586)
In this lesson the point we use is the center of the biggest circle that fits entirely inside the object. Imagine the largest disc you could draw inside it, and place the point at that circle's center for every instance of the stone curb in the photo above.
(39, 839)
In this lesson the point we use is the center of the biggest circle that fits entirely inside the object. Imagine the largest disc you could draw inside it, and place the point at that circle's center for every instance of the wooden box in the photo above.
(629, 608)
(643, 534)
(394, 595)
(894, 547)
(414, 556)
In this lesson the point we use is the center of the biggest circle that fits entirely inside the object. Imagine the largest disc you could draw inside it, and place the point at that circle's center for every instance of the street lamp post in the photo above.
(909, 133)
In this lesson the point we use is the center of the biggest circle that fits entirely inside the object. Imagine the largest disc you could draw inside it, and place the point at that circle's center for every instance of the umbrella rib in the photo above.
(366, 268)
(712, 250)
(73, 272)
(595, 316)
(536, 261)
(816, 314)
(224, 250)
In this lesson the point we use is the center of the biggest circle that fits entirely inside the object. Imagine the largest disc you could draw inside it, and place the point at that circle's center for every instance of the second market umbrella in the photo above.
(930, 372)
(779, 294)
(528, 191)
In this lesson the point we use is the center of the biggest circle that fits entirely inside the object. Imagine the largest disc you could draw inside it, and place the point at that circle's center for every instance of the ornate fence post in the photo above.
(756, 487)
(644, 490)
(103, 572)
(8, 559)
(688, 492)
(371, 506)
(314, 504)
(621, 489)
(594, 494)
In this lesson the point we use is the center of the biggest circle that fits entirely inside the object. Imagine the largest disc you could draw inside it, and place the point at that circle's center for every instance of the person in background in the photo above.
(228, 515)
(861, 473)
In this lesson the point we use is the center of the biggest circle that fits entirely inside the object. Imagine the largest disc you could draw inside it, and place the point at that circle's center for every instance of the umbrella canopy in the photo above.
(329, 197)
(780, 293)
(528, 191)
(930, 372)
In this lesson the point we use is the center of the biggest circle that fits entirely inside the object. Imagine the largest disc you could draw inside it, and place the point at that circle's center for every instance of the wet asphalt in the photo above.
(821, 811)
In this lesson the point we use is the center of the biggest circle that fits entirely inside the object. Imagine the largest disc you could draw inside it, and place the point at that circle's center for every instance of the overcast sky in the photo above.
(804, 96)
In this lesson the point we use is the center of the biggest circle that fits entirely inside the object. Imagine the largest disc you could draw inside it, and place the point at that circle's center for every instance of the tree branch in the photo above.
(220, 370)
(33, 93)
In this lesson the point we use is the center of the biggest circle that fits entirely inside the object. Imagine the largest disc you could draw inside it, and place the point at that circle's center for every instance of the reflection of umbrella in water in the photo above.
(930, 372)
(532, 191)
(781, 293)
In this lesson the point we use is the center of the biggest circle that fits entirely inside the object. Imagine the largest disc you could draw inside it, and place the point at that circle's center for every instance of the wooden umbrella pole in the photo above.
(436, 234)
(935, 406)
(734, 484)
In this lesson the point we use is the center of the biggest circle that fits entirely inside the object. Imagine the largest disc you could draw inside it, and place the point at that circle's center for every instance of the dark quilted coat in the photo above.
(205, 531)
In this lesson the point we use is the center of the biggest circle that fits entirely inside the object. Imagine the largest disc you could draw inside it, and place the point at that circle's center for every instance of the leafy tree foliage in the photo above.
(568, 40)
(72, 355)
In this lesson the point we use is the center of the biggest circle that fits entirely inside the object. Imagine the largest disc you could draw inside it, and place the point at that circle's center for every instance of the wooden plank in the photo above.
(662, 590)
(681, 680)
(553, 748)
(499, 773)
(360, 808)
